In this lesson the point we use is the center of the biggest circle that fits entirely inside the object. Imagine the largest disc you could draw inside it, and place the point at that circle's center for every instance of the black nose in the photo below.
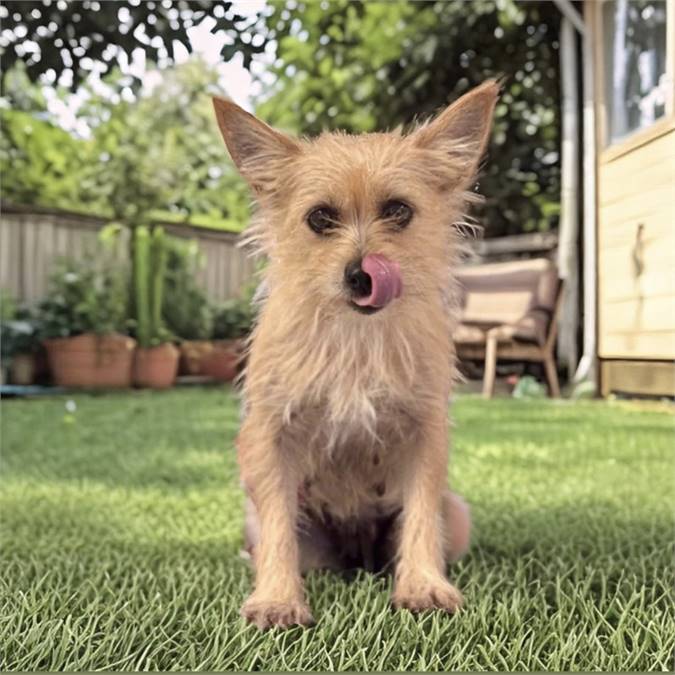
(357, 280)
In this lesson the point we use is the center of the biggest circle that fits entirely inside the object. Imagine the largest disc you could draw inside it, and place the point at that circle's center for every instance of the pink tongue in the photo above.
(385, 277)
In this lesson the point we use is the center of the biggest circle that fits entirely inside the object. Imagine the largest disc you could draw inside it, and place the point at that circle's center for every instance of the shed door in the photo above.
(636, 180)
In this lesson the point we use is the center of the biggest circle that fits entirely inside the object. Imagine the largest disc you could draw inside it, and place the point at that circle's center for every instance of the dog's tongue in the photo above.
(385, 276)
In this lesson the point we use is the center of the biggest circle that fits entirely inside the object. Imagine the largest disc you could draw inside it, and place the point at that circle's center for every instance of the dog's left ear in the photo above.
(462, 129)
(257, 150)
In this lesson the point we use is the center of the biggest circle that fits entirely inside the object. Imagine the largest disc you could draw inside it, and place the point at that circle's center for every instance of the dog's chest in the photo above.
(352, 471)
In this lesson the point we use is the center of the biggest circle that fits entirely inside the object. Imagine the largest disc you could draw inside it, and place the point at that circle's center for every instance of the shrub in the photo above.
(19, 329)
(235, 318)
(85, 296)
(186, 309)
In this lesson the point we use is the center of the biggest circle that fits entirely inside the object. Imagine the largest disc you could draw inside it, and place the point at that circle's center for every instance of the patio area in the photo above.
(122, 516)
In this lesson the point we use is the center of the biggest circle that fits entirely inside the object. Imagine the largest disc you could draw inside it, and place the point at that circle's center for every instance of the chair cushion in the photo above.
(466, 334)
(517, 296)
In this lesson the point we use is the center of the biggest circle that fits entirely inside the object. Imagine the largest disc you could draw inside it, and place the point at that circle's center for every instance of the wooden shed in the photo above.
(628, 158)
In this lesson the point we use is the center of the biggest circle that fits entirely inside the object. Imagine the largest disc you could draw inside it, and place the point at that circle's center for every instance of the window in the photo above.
(636, 82)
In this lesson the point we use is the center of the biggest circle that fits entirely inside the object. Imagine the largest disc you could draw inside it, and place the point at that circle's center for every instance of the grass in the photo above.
(121, 525)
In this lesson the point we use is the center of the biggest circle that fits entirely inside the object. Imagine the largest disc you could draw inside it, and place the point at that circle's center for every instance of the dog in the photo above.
(343, 449)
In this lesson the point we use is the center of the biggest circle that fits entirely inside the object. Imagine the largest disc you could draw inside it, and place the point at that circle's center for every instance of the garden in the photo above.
(107, 323)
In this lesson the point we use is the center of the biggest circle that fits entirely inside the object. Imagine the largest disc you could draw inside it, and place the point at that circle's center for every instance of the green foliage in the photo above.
(85, 296)
(40, 163)
(70, 35)
(158, 158)
(142, 285)
(19, 329)
(186, 309)
(19, 337)
(150, 256)
(528, 387)
(234, 318)
(363, 66)
(8, 306)
(158, 250)
(164, 152)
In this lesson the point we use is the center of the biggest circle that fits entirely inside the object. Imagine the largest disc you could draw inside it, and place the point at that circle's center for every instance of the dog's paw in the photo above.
(268, 614)
(418, 595)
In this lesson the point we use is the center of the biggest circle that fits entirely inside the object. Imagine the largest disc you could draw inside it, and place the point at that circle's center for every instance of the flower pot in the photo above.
(192, 355)
(223, 362)
(91, 361)
(156, 367)
(23, 369)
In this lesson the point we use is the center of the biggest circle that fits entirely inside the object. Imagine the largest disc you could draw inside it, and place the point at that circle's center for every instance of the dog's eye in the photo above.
(397, 212)
(323, 219)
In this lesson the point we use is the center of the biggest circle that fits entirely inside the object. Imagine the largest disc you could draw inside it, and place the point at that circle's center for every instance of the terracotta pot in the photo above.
(156, 367)
(23, 369)
(224, 360)
(91, 361)
(192, 355)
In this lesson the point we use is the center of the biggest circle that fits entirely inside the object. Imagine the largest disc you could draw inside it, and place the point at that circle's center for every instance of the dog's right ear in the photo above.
(462, 129)
(254, 146)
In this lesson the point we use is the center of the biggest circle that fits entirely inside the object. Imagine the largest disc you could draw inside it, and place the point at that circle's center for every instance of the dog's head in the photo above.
(361, 223)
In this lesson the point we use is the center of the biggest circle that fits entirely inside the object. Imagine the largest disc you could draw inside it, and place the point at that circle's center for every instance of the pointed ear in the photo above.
(253, 145)
(462, 130)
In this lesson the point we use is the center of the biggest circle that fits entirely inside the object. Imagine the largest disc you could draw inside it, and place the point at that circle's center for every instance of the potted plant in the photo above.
(7, 313)
(20, 348)
(232, 322)
(82, 319)
(186, 310)
(156, 360)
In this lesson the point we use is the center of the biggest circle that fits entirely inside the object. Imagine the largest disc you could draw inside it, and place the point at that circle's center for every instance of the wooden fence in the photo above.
(32, 239)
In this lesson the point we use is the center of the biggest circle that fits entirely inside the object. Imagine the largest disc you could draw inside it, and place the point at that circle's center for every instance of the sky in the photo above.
(237, 82)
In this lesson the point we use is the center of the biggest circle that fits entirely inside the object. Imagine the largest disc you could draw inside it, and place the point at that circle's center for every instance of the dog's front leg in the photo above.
(420, 581)
(278, 598)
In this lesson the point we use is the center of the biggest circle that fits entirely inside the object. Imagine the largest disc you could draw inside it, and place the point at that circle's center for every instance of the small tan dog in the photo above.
(343, 450)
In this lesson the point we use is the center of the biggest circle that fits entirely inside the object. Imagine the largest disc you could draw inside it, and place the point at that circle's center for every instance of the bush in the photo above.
(19, 328)
(85, 296)
(186, 309)
(235, 318)
(8, 308)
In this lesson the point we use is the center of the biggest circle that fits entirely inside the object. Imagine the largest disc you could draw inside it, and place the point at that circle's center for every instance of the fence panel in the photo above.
(32, 240)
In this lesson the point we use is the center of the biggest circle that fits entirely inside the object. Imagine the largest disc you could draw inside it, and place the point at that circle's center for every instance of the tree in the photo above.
(39, 162)
(67, 35)
(157, 157)
(163, 152)
(362, 66)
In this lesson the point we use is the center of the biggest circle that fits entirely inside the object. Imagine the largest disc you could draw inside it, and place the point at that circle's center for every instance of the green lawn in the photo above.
(121, 526)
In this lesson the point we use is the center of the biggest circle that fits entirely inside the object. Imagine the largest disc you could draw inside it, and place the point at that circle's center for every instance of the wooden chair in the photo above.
(511, 313)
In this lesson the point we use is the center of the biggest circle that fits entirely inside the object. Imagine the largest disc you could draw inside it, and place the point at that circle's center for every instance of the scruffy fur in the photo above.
(345, 435)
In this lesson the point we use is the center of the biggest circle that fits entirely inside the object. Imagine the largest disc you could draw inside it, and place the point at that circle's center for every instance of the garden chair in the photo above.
(510, 312)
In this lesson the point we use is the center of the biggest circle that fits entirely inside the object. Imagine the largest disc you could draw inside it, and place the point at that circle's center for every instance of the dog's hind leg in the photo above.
(317, 549)
(456, 526)
(456, 532)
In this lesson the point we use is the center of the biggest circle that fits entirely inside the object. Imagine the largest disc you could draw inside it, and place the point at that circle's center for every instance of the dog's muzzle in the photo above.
(373, 282)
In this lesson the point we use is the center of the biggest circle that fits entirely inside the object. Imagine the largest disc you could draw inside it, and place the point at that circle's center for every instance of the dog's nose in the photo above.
(358, 282)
